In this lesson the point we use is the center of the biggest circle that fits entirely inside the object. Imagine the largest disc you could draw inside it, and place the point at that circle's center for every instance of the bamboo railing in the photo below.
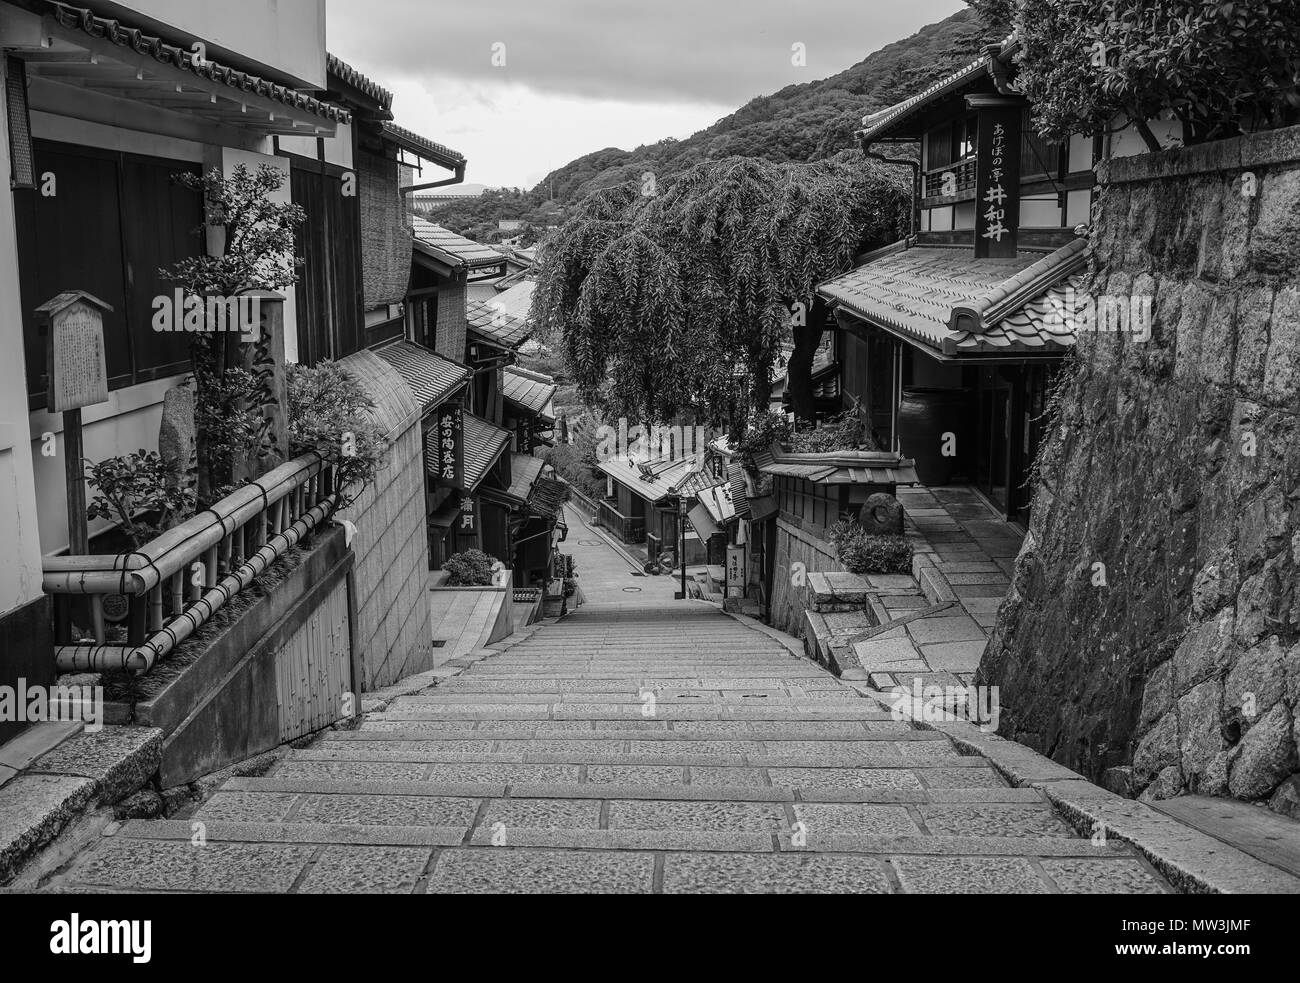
(175, 583)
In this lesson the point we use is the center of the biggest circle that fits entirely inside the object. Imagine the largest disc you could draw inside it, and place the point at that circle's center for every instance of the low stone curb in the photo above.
(1194, 862)
(90, 770)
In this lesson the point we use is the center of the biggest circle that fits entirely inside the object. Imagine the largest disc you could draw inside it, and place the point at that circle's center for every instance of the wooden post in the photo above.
(73, 456)
(73, 324)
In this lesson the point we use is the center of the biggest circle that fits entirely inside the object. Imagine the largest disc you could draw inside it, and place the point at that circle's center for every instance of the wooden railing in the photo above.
(630, 529)
(177, 582)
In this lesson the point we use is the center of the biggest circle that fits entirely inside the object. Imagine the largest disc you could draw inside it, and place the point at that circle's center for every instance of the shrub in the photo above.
(862, 552)
(473, 568)
(847, 431)
(142, 492)
(764, 430)
(330, 413)
(1220, 68)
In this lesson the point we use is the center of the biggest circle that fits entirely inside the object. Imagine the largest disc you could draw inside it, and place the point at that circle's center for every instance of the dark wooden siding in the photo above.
(330, 321)
(112, 221)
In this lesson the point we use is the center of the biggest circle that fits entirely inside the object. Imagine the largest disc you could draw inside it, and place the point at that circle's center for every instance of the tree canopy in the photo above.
(677, 295)
(1220, 68)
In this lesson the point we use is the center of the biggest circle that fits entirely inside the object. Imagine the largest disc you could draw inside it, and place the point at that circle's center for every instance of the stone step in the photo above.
(632, 729)
(656, 730)
(634, 697)
(660, 784)
(318, 857)
(826, 710)
(931, 779)
(647, 671)
(528, 819)
(473, 684)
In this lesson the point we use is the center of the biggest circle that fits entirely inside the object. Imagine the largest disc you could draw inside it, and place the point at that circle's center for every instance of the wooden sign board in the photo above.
(450, 447)
(74, 351)
(736, 571)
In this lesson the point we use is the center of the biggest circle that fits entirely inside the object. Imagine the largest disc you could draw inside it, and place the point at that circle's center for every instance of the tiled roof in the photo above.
(990, 62)
(651, 481)
(739, 489)
(422, 146)
(140, 43)
(530, 391)
(719, 503)
(946, 299)
(839, 467)
(484, 444)
(337, 67)
(547, 498)
(518, 298)
(496, 325)
(524, 472)
(450, 248)
(430, 376)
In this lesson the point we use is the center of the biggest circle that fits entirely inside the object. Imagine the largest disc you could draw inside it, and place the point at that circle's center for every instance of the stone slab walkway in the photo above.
(643, 745)
(939, 632)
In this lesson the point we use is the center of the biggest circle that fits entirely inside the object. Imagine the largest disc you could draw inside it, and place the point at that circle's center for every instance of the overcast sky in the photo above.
(581, 75)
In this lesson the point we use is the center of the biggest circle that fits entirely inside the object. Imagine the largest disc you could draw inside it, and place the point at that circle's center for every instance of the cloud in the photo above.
(667, 50)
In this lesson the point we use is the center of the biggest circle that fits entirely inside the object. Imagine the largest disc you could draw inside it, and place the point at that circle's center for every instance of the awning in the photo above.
(483, 445)
(100, 54)
(718, 501)
(701, 522)
(454, 252)
(421, 147)
(496, 325)
(944, 300)
(431, 377)
(652, 481)
(838, 467)
(547, 499)
(530, 392)
(993, 63)
(524, 472)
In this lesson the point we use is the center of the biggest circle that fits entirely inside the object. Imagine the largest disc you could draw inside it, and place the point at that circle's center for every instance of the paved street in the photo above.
(644, 745)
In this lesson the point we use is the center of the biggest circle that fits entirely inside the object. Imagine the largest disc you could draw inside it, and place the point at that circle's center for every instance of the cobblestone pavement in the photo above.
(644, 745)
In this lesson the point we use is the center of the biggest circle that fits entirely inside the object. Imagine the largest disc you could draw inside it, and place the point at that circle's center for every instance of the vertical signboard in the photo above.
(735, 571)
(997, 175)
(449, 447)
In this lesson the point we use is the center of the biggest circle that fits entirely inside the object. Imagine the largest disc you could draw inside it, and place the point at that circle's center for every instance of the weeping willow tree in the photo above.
(677, 299)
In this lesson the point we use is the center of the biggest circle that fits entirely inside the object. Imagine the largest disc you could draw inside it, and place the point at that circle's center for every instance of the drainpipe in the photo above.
(460, 176)
(914, 213)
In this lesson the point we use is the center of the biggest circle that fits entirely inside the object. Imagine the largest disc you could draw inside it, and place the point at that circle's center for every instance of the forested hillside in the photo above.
(809, 121)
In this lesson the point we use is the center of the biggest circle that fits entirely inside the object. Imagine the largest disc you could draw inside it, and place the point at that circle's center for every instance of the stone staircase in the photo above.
(667, 749)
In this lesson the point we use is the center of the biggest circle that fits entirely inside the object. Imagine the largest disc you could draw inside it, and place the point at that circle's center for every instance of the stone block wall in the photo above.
(795, 545)
(1151, 636)
(391, 577)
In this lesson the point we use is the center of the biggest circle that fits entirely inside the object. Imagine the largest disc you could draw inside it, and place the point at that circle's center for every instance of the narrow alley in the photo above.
(641, 744)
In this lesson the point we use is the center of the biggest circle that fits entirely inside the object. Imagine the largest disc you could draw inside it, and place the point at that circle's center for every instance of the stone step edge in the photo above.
(630, 734)
(79, 790)
(615, 791)
(359, 752)
(668, 841)
(1192, 861)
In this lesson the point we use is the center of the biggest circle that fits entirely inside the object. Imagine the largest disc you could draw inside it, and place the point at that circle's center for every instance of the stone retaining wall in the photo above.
(1150, 636)
(796, 546)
